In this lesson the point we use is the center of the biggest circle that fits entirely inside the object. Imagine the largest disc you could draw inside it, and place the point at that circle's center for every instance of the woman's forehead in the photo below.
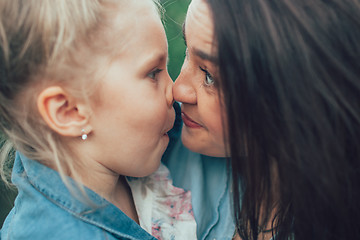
(198, 26)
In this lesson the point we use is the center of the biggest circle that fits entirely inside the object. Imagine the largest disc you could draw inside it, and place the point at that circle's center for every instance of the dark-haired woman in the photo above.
(280, 81)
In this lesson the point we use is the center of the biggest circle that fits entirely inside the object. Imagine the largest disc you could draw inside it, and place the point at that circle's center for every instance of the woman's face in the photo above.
(135, 111)
(195, 87)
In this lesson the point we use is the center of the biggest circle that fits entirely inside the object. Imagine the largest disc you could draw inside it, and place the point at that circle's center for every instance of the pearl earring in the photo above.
(84, 135)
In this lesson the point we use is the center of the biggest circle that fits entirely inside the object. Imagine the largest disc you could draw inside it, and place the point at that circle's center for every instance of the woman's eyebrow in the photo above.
(201, 54)
(183, 31)
(205, 56)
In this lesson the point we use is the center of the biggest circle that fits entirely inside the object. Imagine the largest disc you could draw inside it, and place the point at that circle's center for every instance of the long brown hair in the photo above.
(290, 79)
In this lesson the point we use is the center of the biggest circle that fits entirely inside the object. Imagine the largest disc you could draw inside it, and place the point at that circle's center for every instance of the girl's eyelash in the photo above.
(209, 80)
(154, 73)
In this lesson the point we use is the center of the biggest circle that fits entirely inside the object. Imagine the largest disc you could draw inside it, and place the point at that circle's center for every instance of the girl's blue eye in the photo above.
(209, 80)
(154, 73)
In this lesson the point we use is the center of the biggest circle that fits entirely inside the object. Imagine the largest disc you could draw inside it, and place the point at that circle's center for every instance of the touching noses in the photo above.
(169, 93)
(183, 90)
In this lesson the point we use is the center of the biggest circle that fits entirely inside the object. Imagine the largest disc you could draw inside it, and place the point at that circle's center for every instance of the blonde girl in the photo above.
(86, 100)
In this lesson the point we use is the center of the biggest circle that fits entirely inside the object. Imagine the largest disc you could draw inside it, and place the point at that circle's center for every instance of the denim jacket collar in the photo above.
(49, 183)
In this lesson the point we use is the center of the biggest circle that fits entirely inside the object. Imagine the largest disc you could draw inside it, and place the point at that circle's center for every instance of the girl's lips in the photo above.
(189, 122)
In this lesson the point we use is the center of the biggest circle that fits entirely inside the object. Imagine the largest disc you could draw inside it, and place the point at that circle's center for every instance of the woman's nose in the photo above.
(184, 90)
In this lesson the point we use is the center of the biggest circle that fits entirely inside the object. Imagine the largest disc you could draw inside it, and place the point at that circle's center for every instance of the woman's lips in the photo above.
(189, 122)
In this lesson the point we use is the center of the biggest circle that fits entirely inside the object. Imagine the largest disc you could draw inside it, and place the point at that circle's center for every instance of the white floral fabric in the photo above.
(164, 211)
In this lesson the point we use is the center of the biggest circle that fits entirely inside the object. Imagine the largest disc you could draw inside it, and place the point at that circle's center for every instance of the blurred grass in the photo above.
(174, 17)
(175, 12)
(7, 195)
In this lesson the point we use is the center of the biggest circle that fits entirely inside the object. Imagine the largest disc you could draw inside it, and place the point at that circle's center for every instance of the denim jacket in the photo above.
(209, 181)
(45, 209)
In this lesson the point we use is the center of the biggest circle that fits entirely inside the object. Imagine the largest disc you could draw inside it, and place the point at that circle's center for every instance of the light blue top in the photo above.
(208, 179)
(45, 209)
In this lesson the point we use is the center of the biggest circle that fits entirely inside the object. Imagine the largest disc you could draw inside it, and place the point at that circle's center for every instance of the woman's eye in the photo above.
(154, 73)
(209, 80)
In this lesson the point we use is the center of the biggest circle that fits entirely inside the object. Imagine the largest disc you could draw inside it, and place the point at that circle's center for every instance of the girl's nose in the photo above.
(169, 93)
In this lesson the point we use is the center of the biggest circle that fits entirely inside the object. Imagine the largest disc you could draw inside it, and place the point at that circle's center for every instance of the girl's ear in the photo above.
(63, 113)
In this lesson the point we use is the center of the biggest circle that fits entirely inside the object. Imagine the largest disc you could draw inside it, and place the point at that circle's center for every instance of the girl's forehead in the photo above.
(127, 23)
(125, 10)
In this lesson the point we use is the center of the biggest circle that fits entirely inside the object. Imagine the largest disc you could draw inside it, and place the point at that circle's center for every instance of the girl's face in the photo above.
(201, 109)
(134, 111)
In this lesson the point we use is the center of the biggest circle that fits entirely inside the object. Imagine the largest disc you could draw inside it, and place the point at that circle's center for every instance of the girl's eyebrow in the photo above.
(154, 59)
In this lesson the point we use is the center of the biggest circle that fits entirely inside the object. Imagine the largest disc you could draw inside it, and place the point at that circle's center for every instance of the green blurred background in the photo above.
(174, 19)
(175, 11)
(7, 194)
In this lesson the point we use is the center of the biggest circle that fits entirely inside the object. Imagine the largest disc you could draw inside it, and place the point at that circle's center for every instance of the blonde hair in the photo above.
(39, 45)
